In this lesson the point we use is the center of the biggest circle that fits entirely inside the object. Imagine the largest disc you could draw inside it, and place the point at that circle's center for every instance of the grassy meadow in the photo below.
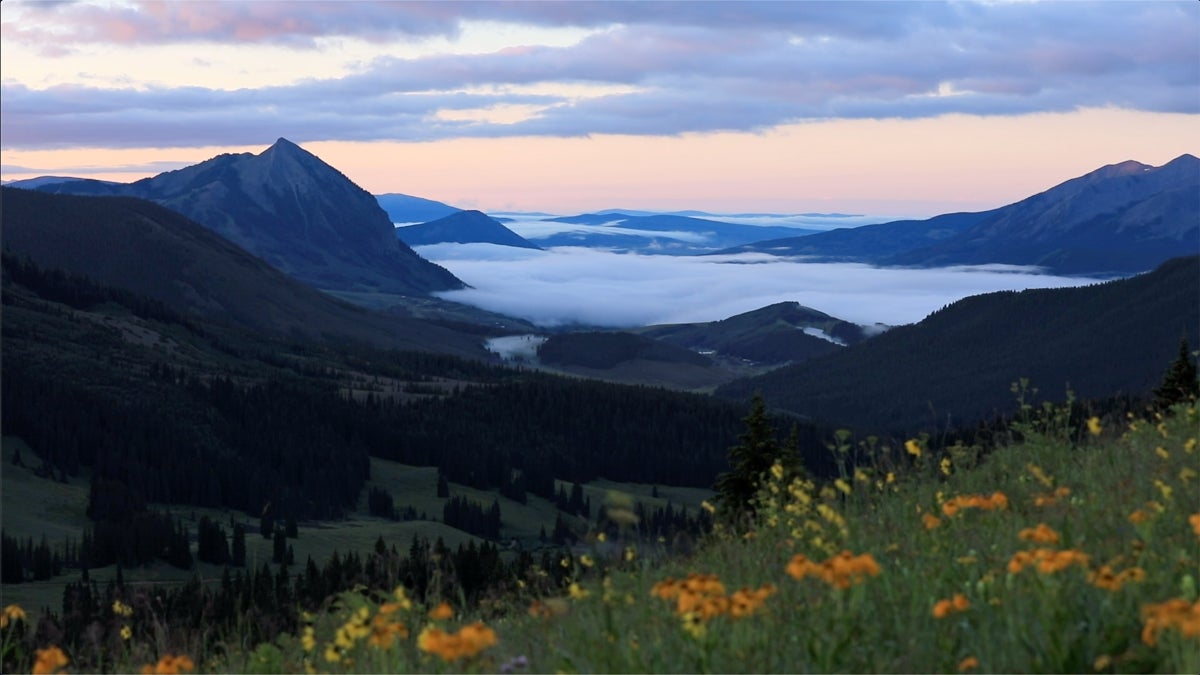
(1073, 550)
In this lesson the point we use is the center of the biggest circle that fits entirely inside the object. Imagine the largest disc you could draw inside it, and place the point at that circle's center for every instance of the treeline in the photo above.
(259, 604)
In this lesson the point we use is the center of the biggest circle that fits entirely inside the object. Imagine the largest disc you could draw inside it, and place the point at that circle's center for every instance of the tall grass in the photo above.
(1074, 550)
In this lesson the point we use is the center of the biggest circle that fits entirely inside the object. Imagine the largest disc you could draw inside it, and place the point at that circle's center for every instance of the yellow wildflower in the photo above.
(630, 553)
(1094, 426)
(777, 471)
(891, 478)
(586, 560)
(1162, 452)
(577, 592)
(402, 598)
(694, 625)
(912, 447)
(601, 537)
(309, 639)
(50, 660)
(126, 632)
(121, 609)
(842, 486)
(945, 465)
(1189, 446)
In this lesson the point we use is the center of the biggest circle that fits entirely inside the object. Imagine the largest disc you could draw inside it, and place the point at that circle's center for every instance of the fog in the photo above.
(564, 286)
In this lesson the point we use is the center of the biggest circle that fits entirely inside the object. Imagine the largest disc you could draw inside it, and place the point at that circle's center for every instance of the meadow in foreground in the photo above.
(1074, 550)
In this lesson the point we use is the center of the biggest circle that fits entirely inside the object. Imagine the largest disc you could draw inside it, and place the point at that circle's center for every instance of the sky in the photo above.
(896, 108)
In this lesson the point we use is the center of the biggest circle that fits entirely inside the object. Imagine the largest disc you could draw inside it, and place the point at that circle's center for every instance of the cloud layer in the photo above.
(566, 286)
(642, 68)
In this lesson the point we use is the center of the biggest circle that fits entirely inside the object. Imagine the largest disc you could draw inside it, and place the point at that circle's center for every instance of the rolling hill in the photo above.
(151, 250)
(1120, 219)
(956, 366)
(462, 227)
(294, 211)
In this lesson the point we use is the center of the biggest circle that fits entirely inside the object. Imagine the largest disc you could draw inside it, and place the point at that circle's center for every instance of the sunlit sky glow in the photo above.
(904, 109)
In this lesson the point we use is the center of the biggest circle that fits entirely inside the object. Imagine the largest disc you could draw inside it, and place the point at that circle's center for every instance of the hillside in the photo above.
(780, 333)
(294, 211)
(1120, 219)
(148, 249)
(462, 227)
(956, 365)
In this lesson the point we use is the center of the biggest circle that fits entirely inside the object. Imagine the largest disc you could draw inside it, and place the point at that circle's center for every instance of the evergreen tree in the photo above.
(238, 555)
(1179, 383)
(748, 461)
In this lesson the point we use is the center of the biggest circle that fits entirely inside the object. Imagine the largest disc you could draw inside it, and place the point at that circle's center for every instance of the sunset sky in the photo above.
(904, 109)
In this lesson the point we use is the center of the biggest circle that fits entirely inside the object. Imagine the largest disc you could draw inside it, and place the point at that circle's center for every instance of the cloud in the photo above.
(667, 68)
(564, 286)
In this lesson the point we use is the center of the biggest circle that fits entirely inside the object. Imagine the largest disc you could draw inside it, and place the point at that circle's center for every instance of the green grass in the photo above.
(1025, 621)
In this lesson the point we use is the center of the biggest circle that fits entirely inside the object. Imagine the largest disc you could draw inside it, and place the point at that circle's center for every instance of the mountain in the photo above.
(43, 181)
(140, 246)
(462, 227)
(956, 366)
(1120, 219)
(408, 209)
(659, 233)
(294, 211)
(776, 334)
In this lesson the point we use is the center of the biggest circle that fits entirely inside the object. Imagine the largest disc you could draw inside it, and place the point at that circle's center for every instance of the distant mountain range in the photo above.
(956, 366)
(151, 250)
(1120, 219)
(462, 227)
(659, 233)
(293, 210)
(408, 209)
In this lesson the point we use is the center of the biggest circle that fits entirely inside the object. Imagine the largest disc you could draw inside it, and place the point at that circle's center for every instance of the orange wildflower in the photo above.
(930, 521)
(1176, 613)
(384, 632)
(170, 665)
(840, 571)
(1109, 580)
(11, 613)
(969, 663)
(50, 660)
(1042, 534)
(441, 612)
(468, 642)
(1193, 520)
(1048, 561)
(944, 608)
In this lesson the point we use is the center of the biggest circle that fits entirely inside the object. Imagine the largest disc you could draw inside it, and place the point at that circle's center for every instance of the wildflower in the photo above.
(468, 642)
(969, 663)
(945, 465)
(126, 632)
(842, 486)
(402, 598)
(1138, 517)
(944, 608)
(565, 563)
(442, 612)
(1042, 534)
(12, 613)
(1162, 452)
(1102, 662)
(1109, 580)
(930, 521)
(861, 476)
(577, 592)
(384, 632)
(1186, 474)
(840, 571)
(1040, 475)
(170, 665)
(1094, 426)
(50, 660)
(1193, 520)
(586, 560)
(777, 471)
(912, 447)
(694, 625)
(708, 507)
(1047, 560)
(1176, 613)
(630, 553)
(601, 537)
(331, 654)
(1189, 446)
(309, 639)
(121, 609)
(891, 478)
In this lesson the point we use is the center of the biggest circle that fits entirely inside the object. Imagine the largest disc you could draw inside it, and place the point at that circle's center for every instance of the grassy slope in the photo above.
(1015, 622)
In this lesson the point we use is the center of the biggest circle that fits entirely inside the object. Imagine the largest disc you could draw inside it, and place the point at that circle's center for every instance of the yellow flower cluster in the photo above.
(1176, 613)
(997, 501)
(1042, 534)
(944, 608)
(170, 665)
(1110, 580)
(49, 660)
(121, 609)
(467, 642)
(11, 613)
(1047, 560)
(840, 571)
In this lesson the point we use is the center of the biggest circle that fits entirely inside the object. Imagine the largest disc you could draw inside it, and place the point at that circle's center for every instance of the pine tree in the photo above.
(749, 460)
(1179, 384)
